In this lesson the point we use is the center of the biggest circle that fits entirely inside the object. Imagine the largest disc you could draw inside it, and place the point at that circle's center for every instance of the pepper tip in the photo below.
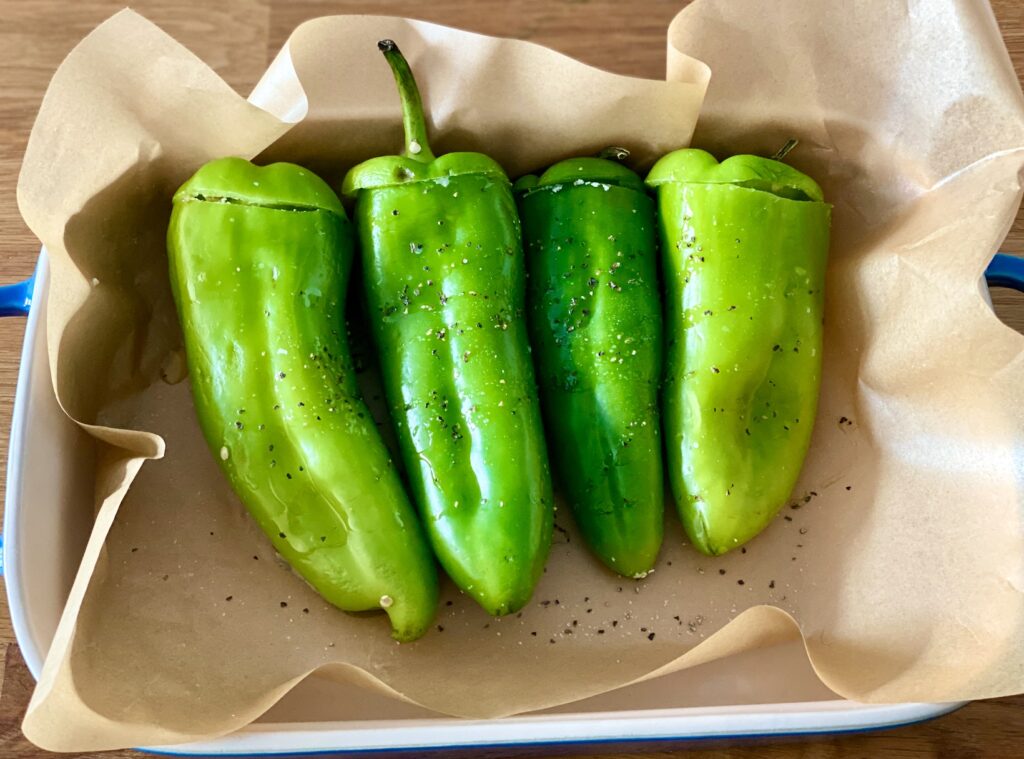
(387, 46)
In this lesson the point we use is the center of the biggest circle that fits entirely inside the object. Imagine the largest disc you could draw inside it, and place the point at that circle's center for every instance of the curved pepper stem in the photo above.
(614, 154)
(784, 150)
(416, 145)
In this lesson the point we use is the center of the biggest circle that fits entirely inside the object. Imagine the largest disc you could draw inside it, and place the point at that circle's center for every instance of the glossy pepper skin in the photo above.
(444, 279)
(595, 322)
(259, 263)
(745, 245)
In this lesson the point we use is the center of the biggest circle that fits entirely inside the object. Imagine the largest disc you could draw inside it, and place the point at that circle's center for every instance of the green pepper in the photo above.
(745, 245)
(259, 264)
(445, 283)
(595, 321)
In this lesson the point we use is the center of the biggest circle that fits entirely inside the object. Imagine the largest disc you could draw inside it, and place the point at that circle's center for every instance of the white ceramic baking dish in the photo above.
(769, 692)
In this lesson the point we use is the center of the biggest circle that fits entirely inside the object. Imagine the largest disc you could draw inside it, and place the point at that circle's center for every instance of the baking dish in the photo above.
(48, 511)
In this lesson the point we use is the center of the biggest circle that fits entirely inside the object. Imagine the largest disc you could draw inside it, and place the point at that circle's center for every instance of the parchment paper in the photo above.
(901, 560)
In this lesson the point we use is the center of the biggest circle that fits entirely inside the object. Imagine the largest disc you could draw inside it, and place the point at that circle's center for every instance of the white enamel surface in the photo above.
(48, 510)
(634, 726)
(47, 522)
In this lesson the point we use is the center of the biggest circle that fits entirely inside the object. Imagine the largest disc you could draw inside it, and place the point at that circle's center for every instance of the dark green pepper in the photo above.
(745, 245)
(595, 321)
(259, 263)
(445, 284)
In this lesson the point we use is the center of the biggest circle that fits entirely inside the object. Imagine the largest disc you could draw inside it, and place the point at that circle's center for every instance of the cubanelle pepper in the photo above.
(594, 309)
(445, 279)
(259, 264)
(745, 244)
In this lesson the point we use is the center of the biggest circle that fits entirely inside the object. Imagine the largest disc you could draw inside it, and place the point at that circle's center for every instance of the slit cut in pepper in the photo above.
(744, 244)
(444, 280)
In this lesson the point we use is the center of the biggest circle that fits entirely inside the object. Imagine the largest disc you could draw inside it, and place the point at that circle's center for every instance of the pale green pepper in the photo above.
(744, 245)
(259, 264)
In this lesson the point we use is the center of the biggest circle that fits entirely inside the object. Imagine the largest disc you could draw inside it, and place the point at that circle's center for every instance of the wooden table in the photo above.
(625, 37)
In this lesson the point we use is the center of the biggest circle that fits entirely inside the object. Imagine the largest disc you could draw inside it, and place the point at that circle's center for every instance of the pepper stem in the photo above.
(784, 150)
(416, 145)
(614, 154)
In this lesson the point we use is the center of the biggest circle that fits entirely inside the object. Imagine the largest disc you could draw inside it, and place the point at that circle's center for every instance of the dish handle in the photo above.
(16, 299)
(1006, 270)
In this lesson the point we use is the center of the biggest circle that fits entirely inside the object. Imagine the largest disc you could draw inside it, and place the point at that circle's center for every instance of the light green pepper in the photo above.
(745, 244)
(259, 263)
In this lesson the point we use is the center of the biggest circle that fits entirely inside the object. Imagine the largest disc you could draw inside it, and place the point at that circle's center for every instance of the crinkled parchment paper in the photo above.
(901, 560)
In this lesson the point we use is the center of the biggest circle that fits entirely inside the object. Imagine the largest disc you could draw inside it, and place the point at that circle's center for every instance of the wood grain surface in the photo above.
(624, 37)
